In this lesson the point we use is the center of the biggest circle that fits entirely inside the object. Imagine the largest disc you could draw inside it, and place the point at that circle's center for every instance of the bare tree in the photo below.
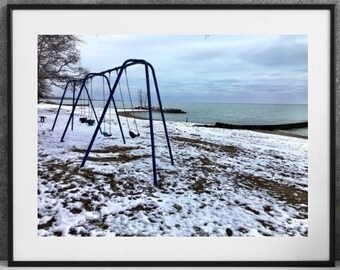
(142, 98)
(58, 61)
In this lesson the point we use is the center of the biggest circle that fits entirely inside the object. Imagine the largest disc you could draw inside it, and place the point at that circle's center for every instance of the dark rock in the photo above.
(177, 207)
(229, 232)
(157, 109)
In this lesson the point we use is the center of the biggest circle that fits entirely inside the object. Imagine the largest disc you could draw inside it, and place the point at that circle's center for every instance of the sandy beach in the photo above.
(224, 182)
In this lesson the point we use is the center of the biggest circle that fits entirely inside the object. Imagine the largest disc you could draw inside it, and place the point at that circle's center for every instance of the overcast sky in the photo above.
(232, 69)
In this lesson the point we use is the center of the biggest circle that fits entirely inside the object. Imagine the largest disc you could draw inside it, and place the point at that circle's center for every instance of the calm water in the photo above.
(252, 114)
(209, 113)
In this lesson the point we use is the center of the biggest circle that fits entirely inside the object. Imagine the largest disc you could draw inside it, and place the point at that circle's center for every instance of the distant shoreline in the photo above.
(273, 132)
(165, 110)
(130, 114)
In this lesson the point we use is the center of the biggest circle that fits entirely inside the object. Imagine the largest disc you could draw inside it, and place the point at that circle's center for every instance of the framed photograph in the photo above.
(171, 135)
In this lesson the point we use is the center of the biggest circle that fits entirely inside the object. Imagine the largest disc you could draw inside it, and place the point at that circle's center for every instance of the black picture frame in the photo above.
(11, 246)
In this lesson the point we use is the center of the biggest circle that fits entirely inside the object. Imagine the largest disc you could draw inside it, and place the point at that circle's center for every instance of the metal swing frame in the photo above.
(74, 82)
(120, 69)
(83, 87)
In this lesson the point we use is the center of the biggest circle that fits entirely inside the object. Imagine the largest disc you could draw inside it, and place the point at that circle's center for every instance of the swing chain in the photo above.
(104, 120)
(81, 107)
(123, 103)
(91, 91)
(133, 111)
(110, 111)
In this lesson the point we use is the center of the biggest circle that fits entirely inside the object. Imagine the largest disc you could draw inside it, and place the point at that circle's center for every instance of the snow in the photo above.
(223, 183)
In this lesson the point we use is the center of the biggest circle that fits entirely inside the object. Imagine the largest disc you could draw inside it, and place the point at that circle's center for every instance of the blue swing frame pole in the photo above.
(91, 104)
(61, 102)
(73, 93)
(73, 108)
(162, 113)
(118, 119)
(88, 150)
(151, 125)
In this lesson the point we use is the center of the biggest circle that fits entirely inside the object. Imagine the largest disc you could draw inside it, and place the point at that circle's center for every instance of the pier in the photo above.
(260, 127)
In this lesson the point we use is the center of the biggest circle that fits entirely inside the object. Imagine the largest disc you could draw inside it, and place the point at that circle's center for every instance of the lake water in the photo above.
(242, 114)
(231, 113)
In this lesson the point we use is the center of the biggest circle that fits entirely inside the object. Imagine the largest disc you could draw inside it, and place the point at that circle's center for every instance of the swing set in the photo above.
(88, 113)
(120, 70)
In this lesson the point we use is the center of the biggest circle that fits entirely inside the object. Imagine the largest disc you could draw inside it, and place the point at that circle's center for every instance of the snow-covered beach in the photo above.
(223, 183)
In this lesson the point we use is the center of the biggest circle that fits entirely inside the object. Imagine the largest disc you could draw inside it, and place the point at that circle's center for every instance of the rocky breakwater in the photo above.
(157, 109)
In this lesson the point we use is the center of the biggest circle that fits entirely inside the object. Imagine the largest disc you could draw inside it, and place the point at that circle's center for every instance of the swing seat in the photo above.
(82, 120)
(90, 122)
(133, 135)
(106, 134)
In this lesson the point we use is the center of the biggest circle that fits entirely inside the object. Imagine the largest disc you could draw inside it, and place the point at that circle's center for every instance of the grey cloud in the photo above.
(221, 68)
(280, 55)
(201, 55)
